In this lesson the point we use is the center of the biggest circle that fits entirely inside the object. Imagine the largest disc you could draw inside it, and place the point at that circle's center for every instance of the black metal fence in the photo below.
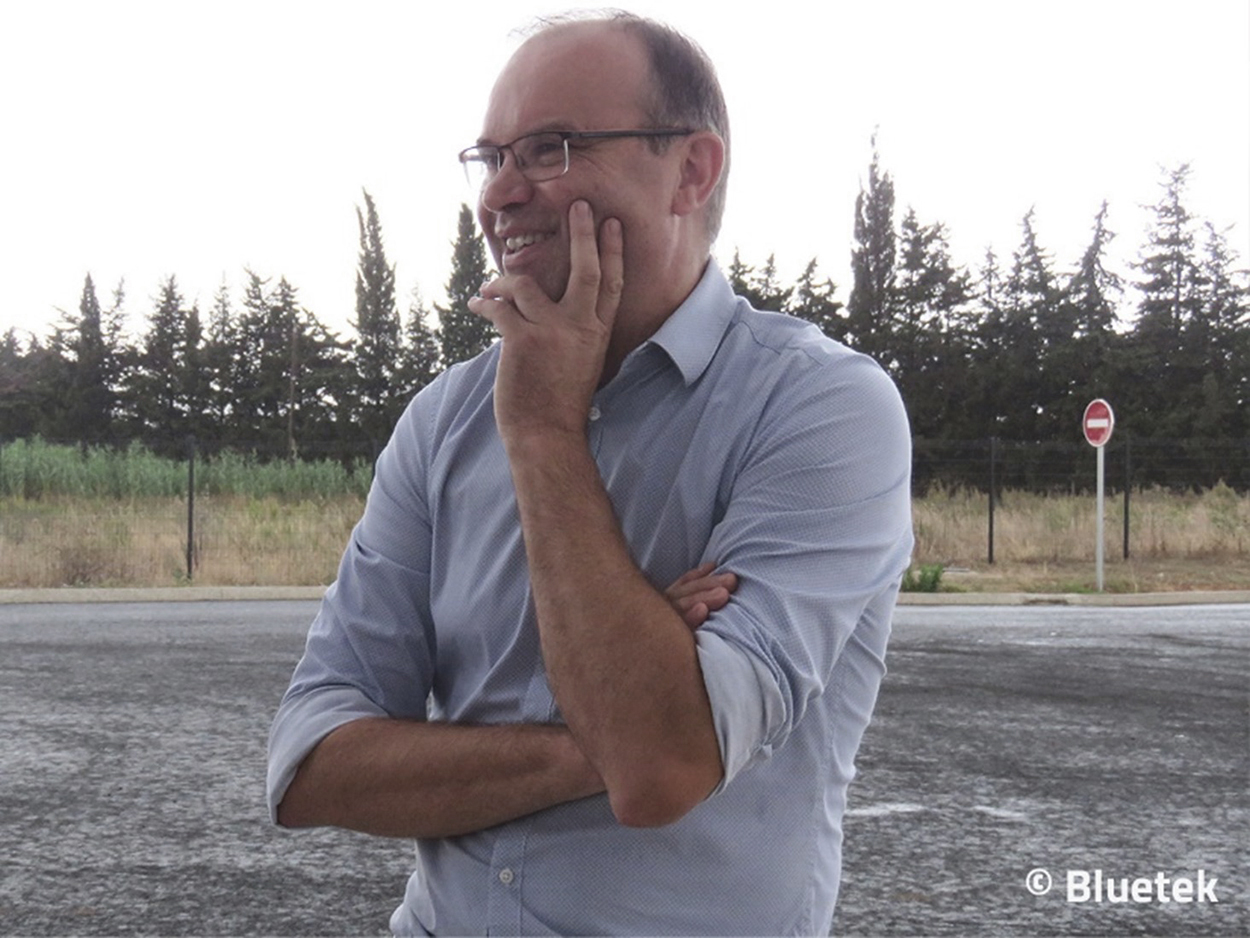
(1068, 468)
(140, 517)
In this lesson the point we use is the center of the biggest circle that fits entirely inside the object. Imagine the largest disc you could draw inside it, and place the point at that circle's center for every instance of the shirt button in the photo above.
(595, 413)
(506, 876)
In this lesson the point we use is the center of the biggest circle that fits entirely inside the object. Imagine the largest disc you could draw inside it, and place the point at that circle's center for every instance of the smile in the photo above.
(516, 242)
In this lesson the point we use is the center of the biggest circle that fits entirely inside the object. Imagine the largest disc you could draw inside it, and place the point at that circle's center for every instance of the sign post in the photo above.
(1097, 424)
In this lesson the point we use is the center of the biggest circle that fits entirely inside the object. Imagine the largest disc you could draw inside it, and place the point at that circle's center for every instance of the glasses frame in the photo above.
(477, 159)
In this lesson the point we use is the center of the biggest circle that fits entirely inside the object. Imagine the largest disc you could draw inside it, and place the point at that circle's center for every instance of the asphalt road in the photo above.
(132, 755)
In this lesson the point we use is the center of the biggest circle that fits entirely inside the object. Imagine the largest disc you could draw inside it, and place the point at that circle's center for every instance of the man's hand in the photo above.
(697, 593)
(553, 352)
(619, 654)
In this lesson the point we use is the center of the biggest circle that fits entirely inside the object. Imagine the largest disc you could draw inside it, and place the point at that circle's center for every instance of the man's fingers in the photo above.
(505, 297)
(611, 270)
(582, 292)
(690, 576)
(695, 616)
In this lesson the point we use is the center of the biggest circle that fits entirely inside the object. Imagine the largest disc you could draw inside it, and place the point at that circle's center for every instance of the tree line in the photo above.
(262, 373)
(1011, 348)
(1016, 347)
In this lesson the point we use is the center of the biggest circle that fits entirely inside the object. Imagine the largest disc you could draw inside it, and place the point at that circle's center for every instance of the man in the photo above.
(496, 672)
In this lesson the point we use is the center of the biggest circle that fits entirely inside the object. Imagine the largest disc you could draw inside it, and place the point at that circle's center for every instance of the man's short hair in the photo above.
(685, 89)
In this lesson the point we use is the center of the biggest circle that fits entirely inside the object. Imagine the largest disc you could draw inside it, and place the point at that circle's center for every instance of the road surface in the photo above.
(1007, 740)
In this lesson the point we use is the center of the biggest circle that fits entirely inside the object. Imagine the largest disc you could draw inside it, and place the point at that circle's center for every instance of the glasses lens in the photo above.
(480, 163)
(538, 157)
(541, 156)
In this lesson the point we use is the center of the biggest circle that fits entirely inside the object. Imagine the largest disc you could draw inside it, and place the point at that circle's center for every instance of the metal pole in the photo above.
(190, 507)
(1128, 487)
(993, 485)
(1098, 550)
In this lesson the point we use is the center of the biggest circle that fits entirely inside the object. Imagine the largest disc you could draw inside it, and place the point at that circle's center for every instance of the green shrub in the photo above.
(927, 579)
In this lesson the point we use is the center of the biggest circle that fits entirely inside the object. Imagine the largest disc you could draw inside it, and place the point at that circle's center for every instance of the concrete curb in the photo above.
(1179, 598)
(188, 594)
(262, 593)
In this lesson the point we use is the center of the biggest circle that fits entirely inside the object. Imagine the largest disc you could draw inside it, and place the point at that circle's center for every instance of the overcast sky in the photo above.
(143, 139)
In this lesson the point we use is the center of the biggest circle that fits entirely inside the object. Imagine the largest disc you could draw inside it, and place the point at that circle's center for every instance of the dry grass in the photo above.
(142, 542)
(1042, 543)
(1047, 543)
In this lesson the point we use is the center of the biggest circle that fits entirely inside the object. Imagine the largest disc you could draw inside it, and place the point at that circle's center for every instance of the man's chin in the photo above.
(552, 283)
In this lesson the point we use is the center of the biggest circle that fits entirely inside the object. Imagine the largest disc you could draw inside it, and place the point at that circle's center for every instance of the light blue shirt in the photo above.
(740, 437)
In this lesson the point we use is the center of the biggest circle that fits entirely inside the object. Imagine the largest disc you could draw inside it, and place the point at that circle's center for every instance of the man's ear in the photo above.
(703, 161)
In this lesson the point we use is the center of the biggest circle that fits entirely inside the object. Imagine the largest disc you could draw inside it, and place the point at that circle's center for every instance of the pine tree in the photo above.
(248, 340)
(464, 334)
(1030, 302)
(1164, 376)
(293, 373)
(813, 300)
(984, 402)
(872, 262)
(92, 361)
(1220, 335)
(165, 385)
(222, 371)
(421, 353)
(376, 397)
(24, 395)
(1090, 296)
(739, 274)
(759, 287)
(314, 373)
(928, 352)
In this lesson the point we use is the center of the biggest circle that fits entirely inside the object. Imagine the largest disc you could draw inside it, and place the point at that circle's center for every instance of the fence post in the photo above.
(993, 485)
(190, 506)
(1128, 487)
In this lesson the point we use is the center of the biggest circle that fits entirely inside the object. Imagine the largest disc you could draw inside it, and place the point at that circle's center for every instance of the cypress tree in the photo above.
(463, 333)
(872, 262)
(376, 396)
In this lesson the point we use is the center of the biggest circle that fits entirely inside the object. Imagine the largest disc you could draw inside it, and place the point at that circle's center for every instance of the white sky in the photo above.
(142, 139)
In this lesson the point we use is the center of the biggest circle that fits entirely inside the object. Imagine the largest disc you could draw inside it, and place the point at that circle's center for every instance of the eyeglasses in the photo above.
(540, 156)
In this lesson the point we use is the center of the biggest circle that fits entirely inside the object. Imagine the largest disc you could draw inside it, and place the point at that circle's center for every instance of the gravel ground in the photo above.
(1006, 739)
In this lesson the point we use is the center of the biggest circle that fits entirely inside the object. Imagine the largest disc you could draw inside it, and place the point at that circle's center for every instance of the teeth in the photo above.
(521, 241)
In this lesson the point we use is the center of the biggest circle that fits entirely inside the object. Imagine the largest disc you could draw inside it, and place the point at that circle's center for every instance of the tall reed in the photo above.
(35, 470)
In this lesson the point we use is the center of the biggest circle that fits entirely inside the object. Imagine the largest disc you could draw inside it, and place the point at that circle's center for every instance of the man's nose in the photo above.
(507, 187)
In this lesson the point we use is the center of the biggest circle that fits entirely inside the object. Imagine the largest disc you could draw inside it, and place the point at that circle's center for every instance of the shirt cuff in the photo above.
(301, 723)
(746, 703)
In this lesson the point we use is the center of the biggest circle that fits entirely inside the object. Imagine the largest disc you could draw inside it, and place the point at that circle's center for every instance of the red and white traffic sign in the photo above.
(1098, 422)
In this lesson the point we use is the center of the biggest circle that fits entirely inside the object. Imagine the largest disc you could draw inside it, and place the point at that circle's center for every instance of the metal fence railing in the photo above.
(77, 515)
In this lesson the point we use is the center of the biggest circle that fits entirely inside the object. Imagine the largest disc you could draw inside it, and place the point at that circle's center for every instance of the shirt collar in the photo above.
(691, 335)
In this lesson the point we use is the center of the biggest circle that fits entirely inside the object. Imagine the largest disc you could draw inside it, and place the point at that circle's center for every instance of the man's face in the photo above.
(581, 77)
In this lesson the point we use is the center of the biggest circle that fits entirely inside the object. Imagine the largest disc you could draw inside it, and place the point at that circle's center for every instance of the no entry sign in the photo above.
(1098, 422)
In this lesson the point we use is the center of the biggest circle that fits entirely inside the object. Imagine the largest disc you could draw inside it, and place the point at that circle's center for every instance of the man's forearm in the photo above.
(622, 664)
(405, 778)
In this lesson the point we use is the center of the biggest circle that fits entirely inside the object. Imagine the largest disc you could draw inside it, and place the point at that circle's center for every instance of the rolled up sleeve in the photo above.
(818, 530)
(369, 651)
